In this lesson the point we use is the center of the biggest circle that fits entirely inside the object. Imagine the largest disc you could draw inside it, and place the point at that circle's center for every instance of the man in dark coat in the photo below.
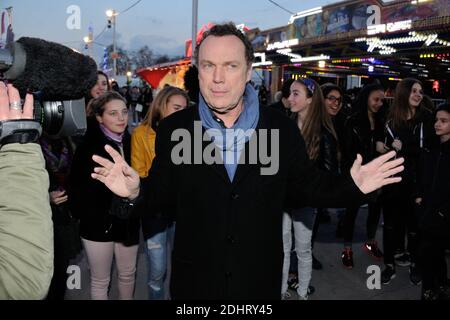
(228, 241)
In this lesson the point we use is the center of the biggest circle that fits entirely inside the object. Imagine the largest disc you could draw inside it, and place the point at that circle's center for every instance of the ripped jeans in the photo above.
(159, 255)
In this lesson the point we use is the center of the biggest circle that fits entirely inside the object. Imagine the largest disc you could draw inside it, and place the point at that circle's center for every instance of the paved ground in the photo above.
(334, 282)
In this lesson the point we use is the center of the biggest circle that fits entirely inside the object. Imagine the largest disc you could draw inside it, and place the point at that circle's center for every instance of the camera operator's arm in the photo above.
(26, 235)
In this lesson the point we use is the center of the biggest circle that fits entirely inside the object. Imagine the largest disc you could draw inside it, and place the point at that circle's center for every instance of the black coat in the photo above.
(411, 133)
(228, 239)
(358, 138)
(280, 107)
(328, 155)
(433, 180)
(90, 200)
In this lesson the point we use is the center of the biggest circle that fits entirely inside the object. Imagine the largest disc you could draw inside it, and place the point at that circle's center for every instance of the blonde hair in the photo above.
(158, 109)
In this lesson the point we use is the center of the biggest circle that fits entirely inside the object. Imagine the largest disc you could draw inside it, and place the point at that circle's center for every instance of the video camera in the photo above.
(59, 79)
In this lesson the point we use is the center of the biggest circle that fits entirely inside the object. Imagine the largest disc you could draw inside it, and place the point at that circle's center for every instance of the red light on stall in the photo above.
(436, 86)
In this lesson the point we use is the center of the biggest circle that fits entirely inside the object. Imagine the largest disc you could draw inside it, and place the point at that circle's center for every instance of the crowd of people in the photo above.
(369, 127)
(205, 226)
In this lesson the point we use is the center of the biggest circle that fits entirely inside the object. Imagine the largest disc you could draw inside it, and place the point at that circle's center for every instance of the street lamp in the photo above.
(109, 13)
(88, 41)
(112, 14)
(129, 74)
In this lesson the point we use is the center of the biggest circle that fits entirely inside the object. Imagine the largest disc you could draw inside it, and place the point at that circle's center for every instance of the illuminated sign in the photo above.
(385, 45)
(288, 52)
(436, 86)
(372, 60)
(418, 1)
(263, 62)
(312, 58)
(389, 27)
(282, 44)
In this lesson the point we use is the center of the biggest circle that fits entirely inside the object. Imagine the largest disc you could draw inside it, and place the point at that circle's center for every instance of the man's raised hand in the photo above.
(118, 176)
(377, 173)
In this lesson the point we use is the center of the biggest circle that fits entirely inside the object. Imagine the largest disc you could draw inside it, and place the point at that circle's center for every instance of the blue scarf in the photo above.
(231, 141)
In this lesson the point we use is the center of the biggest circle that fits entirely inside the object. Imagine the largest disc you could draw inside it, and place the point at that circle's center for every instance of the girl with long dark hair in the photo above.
(360, 138)
(408, 130)
(308, 108)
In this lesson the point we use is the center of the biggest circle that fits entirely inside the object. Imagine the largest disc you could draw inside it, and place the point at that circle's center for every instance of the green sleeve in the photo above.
(26, 229)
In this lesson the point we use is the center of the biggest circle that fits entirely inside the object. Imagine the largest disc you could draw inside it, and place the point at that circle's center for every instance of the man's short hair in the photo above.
(227, 29)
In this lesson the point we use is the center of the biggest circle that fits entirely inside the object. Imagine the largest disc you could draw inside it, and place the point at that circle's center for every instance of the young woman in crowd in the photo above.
(158, 231)
(308, 108)
(96, 91)
(408, 130)
(433, 198)
(100, 87)
(333, 99)
(103, 234)
(359, 137)
(58, 154)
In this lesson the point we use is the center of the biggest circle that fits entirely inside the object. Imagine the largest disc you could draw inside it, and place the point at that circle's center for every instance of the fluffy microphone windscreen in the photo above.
(58, 72)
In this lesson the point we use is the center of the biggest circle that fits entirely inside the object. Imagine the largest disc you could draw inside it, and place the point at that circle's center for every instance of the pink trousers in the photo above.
(100, 257)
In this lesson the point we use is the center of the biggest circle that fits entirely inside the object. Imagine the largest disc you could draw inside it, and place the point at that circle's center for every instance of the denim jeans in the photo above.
(158, 249)
(302, 220)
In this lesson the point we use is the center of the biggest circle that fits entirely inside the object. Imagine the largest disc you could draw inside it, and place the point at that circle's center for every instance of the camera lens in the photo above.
(50, 114)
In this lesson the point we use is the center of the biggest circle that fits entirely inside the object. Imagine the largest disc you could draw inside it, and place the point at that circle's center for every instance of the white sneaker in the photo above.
(305, 297)
(286, 296)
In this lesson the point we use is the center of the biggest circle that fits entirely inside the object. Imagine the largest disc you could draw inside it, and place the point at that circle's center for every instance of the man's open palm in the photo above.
(118, 176)
(377, 173)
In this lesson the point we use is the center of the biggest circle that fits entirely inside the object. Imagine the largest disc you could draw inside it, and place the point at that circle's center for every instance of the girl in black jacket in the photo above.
(359, 138)
(408, 130)
(104, 235)
(433, 198)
